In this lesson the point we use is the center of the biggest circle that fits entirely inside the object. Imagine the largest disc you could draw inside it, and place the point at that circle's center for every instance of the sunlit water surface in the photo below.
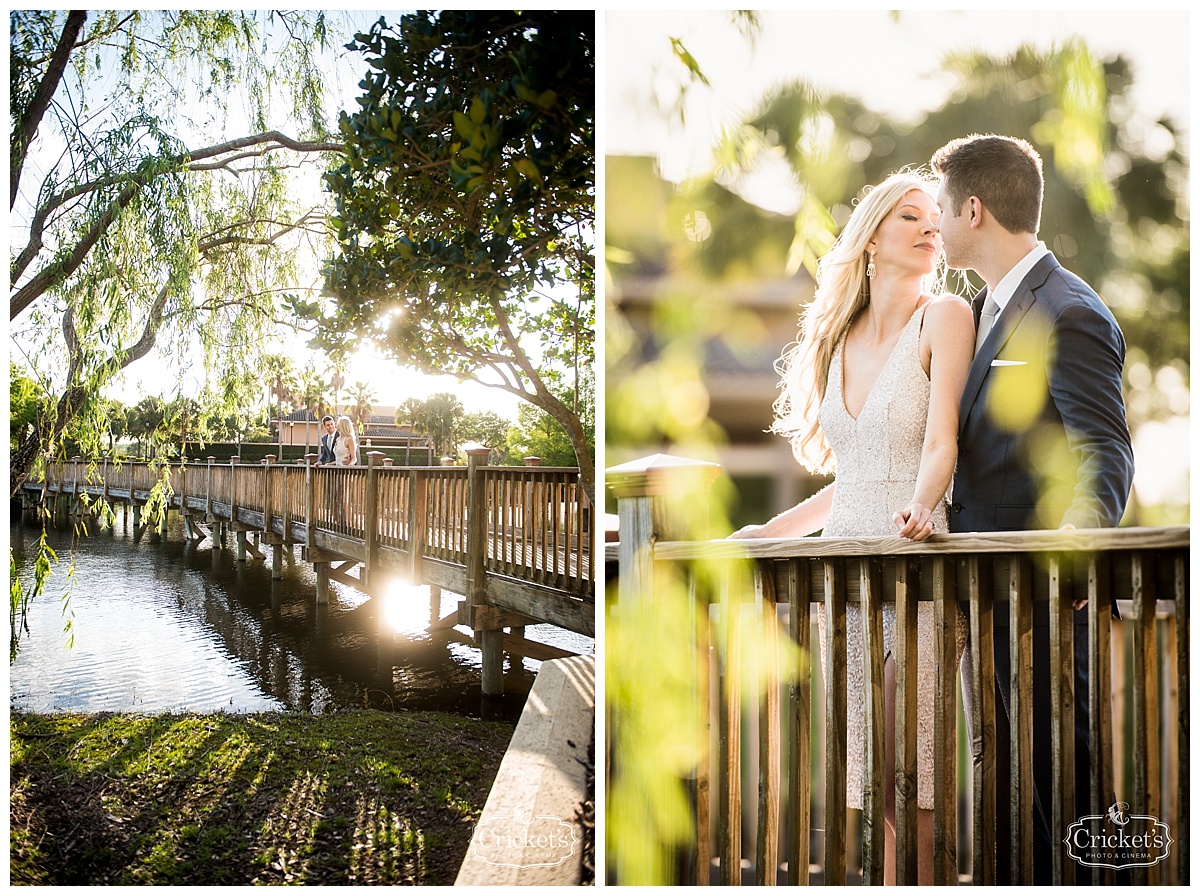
(166, 625)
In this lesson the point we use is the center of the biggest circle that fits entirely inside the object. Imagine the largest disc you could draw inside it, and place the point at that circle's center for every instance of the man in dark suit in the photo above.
(327, 441)
(1043, 441)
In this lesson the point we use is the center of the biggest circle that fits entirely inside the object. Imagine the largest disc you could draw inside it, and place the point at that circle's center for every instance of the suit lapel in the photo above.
(1016, 309)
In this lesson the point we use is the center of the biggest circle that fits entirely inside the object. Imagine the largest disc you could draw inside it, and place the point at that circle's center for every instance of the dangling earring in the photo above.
(870, 265)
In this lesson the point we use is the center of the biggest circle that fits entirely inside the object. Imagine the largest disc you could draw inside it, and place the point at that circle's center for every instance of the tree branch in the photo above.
(67, 265)
(31, 119)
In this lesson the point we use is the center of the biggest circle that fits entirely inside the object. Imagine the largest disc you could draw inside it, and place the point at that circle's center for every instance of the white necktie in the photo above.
(986, 319)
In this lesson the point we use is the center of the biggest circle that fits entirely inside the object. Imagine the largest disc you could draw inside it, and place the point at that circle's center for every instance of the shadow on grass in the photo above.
(348, 798)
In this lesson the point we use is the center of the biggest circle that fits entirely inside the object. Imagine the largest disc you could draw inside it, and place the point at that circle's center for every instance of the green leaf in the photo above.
(528, 168)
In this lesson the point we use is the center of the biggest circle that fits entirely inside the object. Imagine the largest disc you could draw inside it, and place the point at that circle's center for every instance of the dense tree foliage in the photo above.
(487, 428)
(140, 220)
(465, 203)
(438, 417)
(537, 434)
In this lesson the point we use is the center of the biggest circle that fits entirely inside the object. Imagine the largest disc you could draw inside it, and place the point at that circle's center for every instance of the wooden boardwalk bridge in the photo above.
(515, 542)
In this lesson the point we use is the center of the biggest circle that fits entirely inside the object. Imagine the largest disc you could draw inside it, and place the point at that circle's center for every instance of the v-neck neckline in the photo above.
(854, 418)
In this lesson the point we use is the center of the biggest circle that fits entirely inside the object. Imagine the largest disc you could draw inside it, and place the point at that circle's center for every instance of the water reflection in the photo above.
(168, 624)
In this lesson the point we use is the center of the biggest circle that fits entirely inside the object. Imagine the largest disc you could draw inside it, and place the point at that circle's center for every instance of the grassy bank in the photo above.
(347, 798)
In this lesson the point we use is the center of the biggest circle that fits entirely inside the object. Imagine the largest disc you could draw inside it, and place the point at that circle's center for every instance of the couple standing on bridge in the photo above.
(1003, 414)
(339, 446)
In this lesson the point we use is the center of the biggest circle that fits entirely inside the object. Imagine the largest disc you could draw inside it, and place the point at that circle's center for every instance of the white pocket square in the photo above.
(1003, 362)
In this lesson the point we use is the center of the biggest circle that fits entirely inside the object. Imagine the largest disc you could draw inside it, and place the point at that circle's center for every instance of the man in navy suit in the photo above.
(1043, 442)
(327, 441)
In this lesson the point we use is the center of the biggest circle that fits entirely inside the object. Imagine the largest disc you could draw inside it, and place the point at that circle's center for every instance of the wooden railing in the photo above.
(1145, 571)
(534, 554)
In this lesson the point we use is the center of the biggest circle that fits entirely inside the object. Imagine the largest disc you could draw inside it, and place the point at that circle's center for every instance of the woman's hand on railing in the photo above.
(915, 522)
(750, 531)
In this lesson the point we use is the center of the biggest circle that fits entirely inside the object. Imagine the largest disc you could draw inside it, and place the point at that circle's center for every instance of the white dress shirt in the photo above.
(1009, 283)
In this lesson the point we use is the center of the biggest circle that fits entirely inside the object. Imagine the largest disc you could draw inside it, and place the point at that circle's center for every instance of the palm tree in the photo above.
(337, 379)
(312, 392)
(281, 381)
(363, 397)
(145, 419)
(440, 415)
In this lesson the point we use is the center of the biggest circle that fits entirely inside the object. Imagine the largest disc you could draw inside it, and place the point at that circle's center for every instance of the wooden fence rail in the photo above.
(532, 561)
(1143, 571)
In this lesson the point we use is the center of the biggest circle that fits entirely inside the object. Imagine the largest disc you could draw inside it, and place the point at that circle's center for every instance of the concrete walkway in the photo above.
(527, 834)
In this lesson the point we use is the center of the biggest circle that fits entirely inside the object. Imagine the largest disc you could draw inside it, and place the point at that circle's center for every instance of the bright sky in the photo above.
(890, 59)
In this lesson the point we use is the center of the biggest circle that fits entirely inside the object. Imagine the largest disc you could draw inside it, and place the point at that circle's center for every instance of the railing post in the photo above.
(104, 480)
(287, 508)
(208, 504)
(268, 461)
(166, 516)
(662, 498)
(233, 463)
(1146, 742)
(309, 483)
(371, 518)
(239, 534)
(483, 620)
(418, 520)
(650, 507)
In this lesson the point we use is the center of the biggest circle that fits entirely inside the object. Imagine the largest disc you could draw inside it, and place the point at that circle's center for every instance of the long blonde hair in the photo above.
(843, 291)
(345, 428)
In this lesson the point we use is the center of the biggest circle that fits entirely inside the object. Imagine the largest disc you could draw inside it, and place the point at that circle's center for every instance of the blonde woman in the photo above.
(870, 393)
(345, 450)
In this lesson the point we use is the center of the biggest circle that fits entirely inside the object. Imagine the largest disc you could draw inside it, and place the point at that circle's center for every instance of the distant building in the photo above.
(380, 430)
(738, 371)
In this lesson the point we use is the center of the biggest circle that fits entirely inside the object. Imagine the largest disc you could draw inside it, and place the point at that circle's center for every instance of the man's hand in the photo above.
(1080, 602)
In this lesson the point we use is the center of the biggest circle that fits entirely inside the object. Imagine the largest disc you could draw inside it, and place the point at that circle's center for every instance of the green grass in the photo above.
(347, 798)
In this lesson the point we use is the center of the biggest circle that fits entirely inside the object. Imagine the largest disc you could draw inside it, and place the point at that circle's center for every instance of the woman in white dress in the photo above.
(870, 392)
(345, 450)
(345, 454)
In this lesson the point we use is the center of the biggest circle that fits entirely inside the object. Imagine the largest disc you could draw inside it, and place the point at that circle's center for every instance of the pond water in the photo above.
(159, 625)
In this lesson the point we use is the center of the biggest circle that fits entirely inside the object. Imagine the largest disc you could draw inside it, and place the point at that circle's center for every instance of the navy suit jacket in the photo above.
(1042, 434)
(326, 453)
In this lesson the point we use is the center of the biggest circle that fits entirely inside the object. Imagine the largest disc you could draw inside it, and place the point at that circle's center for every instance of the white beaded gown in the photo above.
(877, 456)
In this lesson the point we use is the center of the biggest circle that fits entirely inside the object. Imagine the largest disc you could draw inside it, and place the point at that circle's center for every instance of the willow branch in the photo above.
(33, 289)
(31, 120)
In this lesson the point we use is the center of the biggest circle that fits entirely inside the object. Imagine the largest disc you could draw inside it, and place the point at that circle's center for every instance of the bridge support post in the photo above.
(241, 546)
(277, 561)
(435, 603)
(321, 568)
(492, 644)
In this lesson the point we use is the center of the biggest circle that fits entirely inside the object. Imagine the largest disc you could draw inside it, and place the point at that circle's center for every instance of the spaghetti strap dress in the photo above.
(877, 456)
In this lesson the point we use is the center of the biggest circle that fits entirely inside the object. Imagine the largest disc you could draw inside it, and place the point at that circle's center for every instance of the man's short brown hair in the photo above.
(326, 417)
(1005, 173)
